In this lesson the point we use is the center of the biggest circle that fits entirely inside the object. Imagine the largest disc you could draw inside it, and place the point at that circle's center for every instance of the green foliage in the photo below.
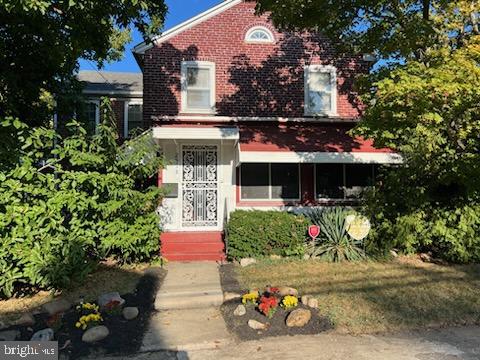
(41, 42)
(334, 244)
(69, 202)
(264, 233)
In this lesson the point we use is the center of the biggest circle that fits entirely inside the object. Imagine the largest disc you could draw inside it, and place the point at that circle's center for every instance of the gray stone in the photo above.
(130, 313)
(43, 335)
(285, 290)
(313, 303)
(305, 299)
(94, 334)
(228, 296)
(57, 306)
(247, 261)
(256, 325)
(299, 318)
(26, 319)
(240, 310)
(104, 299)
(9, 335)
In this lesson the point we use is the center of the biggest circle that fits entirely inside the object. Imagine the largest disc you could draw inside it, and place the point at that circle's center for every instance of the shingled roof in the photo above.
(112, 83)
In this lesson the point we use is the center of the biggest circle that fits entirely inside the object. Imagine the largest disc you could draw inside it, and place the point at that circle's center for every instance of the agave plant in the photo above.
(334, 244)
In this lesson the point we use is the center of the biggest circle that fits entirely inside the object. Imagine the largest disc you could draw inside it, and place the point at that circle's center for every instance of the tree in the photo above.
(41, 42)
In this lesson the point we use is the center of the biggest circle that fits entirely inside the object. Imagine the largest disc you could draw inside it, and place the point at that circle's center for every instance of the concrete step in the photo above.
(189, 300)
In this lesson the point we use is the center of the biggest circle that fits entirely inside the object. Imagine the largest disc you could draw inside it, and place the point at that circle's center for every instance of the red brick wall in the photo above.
(251, 79)
(118, 107)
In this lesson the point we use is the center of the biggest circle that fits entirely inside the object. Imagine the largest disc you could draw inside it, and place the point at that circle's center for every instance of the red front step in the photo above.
(193, 246)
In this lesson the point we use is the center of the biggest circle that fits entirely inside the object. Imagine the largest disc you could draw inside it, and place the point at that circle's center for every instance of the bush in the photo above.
(264, 233)
(67, 203)
(334, 243)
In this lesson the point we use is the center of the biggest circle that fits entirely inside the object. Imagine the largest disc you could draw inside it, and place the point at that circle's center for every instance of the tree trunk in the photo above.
(426, 10)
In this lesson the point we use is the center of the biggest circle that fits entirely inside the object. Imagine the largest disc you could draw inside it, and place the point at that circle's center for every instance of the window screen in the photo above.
(255, 181)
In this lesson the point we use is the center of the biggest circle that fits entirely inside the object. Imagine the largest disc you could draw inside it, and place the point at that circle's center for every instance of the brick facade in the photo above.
(251, 79)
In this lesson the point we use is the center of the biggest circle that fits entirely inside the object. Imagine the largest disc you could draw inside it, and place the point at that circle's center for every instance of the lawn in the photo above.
(107, 278)
(374, 297)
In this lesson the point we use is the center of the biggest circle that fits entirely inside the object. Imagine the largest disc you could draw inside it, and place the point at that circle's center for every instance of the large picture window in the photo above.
(198, 87)
(261, 181)
(343, 181)
(320, 90)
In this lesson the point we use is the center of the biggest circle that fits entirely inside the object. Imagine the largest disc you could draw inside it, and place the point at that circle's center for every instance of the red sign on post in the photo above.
(314, 231)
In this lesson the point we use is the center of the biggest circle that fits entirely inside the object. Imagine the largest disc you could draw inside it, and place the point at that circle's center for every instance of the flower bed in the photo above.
(268, 311)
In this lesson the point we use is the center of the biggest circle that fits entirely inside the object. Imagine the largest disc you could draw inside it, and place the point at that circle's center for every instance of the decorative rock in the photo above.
(10, 335)
(26, 319)
(285, 290)
(104, 299)
(299, 318)
(275, 257)
(313, 303)
(227, 296)
(240, 310)
(426, 257)
(43, 335)
(247, 261)
(305, 299)
(393, 253)
(95, 334)
(130, 313)
(256, 325)
(57, 306)
(306, 257)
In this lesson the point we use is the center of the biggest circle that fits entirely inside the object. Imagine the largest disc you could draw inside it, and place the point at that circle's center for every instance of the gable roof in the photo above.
(111, 83)
(225, 5)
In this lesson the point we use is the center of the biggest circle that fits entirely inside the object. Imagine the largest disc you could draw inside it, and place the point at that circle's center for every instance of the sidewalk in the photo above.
(188, 314)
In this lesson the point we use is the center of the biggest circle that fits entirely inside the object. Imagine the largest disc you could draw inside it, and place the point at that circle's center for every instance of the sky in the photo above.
(178, 11)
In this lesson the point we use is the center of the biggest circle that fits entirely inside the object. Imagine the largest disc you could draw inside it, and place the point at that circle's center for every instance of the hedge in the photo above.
(264, 233)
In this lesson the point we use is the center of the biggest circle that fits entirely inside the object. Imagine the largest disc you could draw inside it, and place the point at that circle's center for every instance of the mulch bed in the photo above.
(125, 336)
(238, 325)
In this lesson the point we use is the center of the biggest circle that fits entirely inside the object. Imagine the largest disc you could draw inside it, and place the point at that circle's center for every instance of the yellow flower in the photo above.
(290, 301)
(250, 297)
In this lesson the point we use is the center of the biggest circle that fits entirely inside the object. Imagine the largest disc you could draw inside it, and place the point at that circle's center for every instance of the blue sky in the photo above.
(178, 11)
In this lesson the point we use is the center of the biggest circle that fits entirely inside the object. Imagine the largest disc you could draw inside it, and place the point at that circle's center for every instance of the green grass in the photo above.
(373, 297)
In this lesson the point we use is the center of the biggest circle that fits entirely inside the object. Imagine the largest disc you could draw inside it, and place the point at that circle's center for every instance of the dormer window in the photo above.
(259, 34)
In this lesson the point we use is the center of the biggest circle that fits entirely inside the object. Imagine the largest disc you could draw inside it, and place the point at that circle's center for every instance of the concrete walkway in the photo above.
(188, 314)
(446, 344)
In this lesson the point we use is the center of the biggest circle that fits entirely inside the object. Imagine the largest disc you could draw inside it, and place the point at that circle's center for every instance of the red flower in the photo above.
(268, 305)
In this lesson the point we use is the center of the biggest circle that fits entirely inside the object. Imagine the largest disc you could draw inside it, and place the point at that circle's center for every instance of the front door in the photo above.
(199, 186)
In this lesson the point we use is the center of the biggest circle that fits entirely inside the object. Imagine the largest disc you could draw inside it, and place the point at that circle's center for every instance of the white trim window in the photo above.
(92, 115)
(259, 34)
(265, 181)
(198, 87)
(320, 90)
(133, 116)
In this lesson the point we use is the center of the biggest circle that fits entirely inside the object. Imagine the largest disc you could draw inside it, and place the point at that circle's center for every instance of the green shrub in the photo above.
(69, 202)
(334, 244)
(263, 233)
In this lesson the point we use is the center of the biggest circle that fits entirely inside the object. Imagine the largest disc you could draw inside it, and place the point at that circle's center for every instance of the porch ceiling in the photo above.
(196, 133)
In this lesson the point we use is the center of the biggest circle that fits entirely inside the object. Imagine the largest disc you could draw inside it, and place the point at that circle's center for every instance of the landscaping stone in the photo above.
(240, 310)
(57, 306)
(393, 253)
(313, 303)
(256, 325)
(130, 313)
(275, 257)
(104, 299)
(285, 290)
(95, 334)
(305, 299)
(43, 335)
(299, 318)
(426, 257)
(26, 319)
(10, 335)
(247, 261)
(228, 296)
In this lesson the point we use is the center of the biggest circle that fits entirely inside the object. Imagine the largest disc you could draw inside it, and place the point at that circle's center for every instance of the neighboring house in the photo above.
(250, 118)
(125, 90)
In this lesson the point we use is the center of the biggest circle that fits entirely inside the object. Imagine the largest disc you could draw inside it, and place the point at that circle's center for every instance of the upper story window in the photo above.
(259, 34)
(198, 87)
(133, 118)
(320, 90)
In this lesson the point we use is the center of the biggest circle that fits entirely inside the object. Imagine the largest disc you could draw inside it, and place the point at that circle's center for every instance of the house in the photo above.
(249, 117)
(125, 91)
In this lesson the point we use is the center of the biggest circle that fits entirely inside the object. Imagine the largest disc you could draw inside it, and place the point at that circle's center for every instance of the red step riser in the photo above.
(192, 237)
(193, 248)
(194, 257)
